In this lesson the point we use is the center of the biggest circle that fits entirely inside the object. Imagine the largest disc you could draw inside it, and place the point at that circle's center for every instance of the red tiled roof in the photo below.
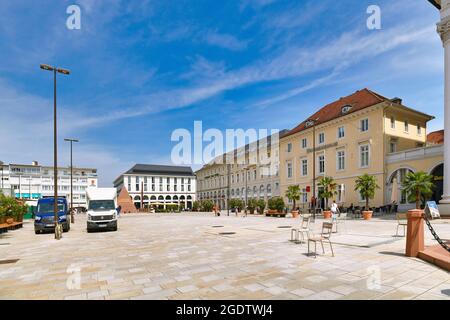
(359, 100)
(436, 137)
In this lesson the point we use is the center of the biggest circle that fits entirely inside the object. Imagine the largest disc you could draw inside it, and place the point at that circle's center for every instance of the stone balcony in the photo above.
(415, 154)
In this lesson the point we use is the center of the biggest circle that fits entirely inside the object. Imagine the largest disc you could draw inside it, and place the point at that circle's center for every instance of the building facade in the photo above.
(251, 171)
(158, 185)
(32, 182)
(361, 133)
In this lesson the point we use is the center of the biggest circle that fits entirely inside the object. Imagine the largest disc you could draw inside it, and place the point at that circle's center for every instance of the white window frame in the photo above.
(321, 134)
(392, 121)
(303, 174)
(338, 158)
(406, 126)
(339, 132)
(289, 147)
(291, 175)
(419, 130)
(318, 162)
(304, 143)
(360, 155)
(364, 125)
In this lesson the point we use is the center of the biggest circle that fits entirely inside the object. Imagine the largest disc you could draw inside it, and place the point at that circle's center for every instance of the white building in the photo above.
(158, 185)
(35, 181)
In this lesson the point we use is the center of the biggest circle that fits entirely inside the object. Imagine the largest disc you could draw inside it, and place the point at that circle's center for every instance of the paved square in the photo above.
(199, 256)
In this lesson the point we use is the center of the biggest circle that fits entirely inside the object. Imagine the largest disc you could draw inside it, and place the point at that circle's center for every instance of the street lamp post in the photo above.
(55, 70)
(1, 164)
(72, 218)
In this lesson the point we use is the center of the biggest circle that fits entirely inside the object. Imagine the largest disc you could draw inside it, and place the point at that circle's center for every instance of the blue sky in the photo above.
(141, 69)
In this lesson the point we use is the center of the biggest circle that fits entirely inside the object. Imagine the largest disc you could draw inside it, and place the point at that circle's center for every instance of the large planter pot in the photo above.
(327, 214)
(19, 218)
(2, 220)
(271, 211)
(9, 220)
(367, 215)
(294, 213)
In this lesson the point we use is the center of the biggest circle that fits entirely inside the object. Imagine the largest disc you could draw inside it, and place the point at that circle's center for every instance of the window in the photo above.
(364, 125)
(341, 193)
(340, 160)
(419, 130)
(304, 197)
(254, 175)
(321, 164)
(137, 183)
(304, 163)
(304, 143)
(341, 132)
(346, 109)
(321, 138)
(392, 147)
(289, 169)
(129, 183)
(392, 123)
(364, 155)
(289, 147)
(145, 183)
(406, 126)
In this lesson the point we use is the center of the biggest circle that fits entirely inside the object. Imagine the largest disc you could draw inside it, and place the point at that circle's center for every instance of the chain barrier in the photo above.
(439, 240)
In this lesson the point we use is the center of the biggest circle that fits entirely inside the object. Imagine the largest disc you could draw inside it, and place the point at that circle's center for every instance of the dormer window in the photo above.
(346, 109)
(309, 123)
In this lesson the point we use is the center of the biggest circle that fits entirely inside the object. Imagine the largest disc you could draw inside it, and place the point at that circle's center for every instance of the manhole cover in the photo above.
(8, 261)
(217, 226)
(284, 227)
(226, 233)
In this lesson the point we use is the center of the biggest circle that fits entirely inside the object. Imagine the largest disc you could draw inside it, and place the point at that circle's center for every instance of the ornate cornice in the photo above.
(443, 28)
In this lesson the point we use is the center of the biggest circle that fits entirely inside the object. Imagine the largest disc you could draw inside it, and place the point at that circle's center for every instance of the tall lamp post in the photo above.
(309, 123)
(55, 70)
(1, 166)
(72, 218)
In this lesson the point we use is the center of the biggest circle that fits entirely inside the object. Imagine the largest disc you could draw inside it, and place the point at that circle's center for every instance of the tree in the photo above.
(418, 185)
(293, 194)
(207, 205)
(236, 203)
(261, 205)
(328, 186)
(366, 185)
(252, 204)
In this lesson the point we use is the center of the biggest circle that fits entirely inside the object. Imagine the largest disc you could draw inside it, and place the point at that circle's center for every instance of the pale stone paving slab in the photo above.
(140, 261)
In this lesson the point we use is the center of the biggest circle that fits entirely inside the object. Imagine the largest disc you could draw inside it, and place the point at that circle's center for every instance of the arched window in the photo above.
(269, 188)
(137, 198)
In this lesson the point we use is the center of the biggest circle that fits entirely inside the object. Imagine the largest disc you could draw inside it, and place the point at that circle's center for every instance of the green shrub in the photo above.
(196, 206)
(261, 205)
(276, 203)
(252, 204)
(10, 207)
(236, 203)
(207, 205)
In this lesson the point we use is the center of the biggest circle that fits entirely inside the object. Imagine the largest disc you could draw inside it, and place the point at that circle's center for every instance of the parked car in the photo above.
(44, 219)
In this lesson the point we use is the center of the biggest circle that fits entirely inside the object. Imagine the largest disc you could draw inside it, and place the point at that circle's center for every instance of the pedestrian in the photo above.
(334, 211)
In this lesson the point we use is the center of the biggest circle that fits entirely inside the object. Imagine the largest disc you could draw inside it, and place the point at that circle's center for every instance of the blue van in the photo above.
(45, 219)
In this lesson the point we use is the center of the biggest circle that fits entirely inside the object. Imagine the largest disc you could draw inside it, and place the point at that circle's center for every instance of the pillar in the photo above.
(414, 234)
(444, 31)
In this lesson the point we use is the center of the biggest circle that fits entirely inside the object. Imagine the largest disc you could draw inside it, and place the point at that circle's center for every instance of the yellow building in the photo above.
(361, 133)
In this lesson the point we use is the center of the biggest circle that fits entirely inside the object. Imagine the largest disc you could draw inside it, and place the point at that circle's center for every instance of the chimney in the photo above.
(34, 163)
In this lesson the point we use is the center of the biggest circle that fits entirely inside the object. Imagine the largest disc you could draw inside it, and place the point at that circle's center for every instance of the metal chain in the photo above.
(439, 240)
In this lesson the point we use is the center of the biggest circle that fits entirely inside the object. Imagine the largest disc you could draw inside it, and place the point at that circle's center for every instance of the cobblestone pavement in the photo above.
(184, 256)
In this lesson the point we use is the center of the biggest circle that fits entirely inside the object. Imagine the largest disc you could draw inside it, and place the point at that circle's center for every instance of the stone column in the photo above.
(443, 29)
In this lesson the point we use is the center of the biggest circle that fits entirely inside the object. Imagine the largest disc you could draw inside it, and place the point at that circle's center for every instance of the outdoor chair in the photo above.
(302, 230)
(402, 221)
(323, 237)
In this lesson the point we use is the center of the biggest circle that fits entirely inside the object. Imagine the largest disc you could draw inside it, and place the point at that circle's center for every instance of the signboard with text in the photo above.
(432, 210)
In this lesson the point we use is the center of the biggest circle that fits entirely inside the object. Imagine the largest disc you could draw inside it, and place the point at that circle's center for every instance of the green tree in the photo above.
(196, 206)
(261, 205)
(366, 185)
(207, 205)
(236, 203)
(328, 186)
(418, 185)
(252, 203)
(293, 194)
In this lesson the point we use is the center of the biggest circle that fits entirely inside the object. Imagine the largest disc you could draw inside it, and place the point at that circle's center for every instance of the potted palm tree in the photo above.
(328, 190)
(418, 185)
(293, 194)
(252, 204)
(366, 186)
(261, 205)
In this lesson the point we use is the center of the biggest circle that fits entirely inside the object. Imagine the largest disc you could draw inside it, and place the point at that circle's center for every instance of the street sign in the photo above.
(432, 210)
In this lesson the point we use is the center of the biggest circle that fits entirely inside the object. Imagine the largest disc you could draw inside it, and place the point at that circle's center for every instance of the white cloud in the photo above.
(225, 41)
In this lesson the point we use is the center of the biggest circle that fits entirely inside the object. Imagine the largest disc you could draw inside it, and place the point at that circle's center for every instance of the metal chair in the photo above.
(302, 230)
(402, 221)
(324, 236)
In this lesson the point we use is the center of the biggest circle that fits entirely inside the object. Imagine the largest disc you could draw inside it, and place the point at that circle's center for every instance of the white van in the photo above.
(101, 209)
